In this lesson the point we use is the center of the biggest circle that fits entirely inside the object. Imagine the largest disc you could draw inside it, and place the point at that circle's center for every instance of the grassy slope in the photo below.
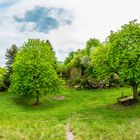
(91, 113)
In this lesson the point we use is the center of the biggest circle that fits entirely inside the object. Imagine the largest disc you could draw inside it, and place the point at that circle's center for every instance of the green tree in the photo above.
(80, 61)
(10, 55)
(69, 58)
(121, 55)
(33, 70)
(125, 46)
(91, 43)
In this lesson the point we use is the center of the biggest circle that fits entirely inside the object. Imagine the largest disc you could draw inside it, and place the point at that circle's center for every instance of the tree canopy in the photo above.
(33, 70)
(10, 55)
(121, 55)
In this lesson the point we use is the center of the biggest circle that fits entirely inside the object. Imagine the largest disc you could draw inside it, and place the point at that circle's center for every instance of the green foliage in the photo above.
(74, 59)
(33, 70)
(69, 58)
(1, 74)
(10, 55)
(2, 84)
(81, 59)
(98, 62)
(124, 52)
(91, 44)
(121, 55)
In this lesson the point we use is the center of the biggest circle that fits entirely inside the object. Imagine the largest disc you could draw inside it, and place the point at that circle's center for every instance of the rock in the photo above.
(59, 98)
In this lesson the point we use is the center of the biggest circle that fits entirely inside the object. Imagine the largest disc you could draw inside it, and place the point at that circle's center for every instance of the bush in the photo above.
(2, 84)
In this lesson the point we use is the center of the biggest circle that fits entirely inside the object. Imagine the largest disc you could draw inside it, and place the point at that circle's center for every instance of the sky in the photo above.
(67, 24)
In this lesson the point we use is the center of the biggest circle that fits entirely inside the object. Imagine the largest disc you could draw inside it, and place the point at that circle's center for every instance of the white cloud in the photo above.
(92, 18)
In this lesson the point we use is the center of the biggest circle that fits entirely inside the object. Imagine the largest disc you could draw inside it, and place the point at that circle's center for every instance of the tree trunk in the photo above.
(37, 98)
(135, 91)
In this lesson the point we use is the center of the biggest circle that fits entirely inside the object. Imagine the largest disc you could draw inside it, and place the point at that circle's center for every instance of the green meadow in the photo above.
(91, 114)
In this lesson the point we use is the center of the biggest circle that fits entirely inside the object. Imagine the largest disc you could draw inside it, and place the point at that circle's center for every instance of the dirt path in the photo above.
(69, 133)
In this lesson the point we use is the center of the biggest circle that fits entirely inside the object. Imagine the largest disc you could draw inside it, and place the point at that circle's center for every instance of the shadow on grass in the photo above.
(28, 103)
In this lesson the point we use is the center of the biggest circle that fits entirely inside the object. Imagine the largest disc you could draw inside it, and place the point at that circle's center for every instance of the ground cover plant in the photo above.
(92, 115)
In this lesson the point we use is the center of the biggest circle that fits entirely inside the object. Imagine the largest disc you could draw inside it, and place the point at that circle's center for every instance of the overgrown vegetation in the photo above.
(115, 62)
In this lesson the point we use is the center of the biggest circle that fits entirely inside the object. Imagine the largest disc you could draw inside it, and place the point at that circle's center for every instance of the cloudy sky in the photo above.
(68, 24)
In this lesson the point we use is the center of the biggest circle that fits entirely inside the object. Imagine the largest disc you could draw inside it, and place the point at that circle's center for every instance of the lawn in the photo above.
(92, 115)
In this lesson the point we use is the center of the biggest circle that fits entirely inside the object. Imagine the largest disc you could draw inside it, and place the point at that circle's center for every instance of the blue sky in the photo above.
(6, 3)
(68, 24)
(44, 19)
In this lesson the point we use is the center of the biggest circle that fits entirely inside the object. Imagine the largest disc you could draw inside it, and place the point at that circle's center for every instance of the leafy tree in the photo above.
(55, 64)
(10, 55)
(121, 55)
(99, 57)
(69, 58)
(125, 46)
(33, 71)
(76, 61)
(91, 46)
(91, 43)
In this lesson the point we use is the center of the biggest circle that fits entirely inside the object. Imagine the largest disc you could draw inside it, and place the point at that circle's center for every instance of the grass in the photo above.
(92, 114)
